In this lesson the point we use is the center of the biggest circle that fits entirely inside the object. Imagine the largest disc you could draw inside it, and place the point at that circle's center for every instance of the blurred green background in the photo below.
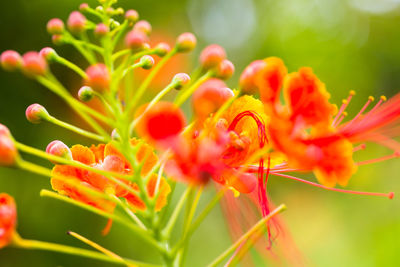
(350, 44)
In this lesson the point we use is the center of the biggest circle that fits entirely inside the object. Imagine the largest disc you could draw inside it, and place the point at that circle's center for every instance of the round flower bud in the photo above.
(209, 97)
(8, 219)
(57, 39)
(8, 151)
(110, 11)
(186, 42)
(36, 113)
(4, 130)
(131, 15)
(55, 26)
(143, 26)
(10, 60)
(33, 64)
(162, 121)
(147, 62)
(85, 94)
(98, 77)
(162, 49)
(225, 70)
(119, 11)
(247, 78)
(76, 22)
(211, 56)
(180, 80)
(48, 53)
(84, 7)
(59, 149)
(101, 30)
(135, 40)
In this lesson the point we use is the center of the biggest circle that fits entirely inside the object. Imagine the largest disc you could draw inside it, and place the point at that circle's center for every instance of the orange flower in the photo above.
(107, 158)
(8, 219)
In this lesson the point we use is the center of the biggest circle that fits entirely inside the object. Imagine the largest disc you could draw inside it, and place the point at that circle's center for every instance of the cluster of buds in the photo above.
(143, 148)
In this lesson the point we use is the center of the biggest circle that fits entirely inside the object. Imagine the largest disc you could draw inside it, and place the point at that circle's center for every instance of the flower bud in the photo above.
(36, 113)
(131, 15)
(135, 40)
(225, 70)
(162, 49)
(57, 39)
(247, 78)
(101, 30)
(55, 26)
(147, 62)
(76, 22)
(83, 7)
(8, 151)
(48, 53)
(33, 64)
(98, 77)
(209, 97)
(143, 26)
(85, 94)
(186, 42)
(119, 11)
(180, 80)
(162, 121)
(8, 219)
(110, 11)
(59, 149)
(212, 56)
(10, 60)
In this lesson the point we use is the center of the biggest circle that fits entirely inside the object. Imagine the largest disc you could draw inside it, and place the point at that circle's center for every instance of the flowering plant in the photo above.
(274, 123)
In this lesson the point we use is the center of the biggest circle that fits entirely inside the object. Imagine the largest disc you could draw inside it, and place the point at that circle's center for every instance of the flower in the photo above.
(69, 180)
(8, 151)
(8, 219)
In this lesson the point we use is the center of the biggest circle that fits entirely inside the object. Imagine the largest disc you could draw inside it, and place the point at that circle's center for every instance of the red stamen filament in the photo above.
(343, 107)
(359, 147)
(370, 161)
(389, 195)
(369, 101)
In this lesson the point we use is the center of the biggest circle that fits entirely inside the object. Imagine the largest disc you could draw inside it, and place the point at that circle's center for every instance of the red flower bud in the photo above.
(180, 80)
(225, 70)
(247, 77)
(59, 149)
(33, 64)
(147, 62)
(131, 15)
(10, 60)
(57, 39)
(101, 30)
(186, 42)
(83, 7)
(76, 22)
(55, 26)
(209, 97)
(212, 56)
(8, 151)
(85, 93)
(8, 219)
(143, 26)
(36, 113)
(135, 40)
(98, 77)
(162, 121)
(162, 49)
(48, 53)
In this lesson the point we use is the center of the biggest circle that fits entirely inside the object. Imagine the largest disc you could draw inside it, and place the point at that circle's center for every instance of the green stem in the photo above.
(76, 129)
(244, 237)
(128, 211)
(71, 66)
(40, 245)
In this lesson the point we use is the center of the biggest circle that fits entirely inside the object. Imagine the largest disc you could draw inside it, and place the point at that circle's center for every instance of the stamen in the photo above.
(389, 195)
(381, 100)
(359, 147)
(370, 161)
(369, 101)
(345, 103)
(340, 119)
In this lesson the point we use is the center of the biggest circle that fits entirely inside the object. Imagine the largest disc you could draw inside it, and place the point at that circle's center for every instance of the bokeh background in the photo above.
(350, 44)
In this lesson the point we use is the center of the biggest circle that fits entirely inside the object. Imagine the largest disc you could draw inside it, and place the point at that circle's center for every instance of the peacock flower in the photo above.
(8, 219)
(69, 180)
